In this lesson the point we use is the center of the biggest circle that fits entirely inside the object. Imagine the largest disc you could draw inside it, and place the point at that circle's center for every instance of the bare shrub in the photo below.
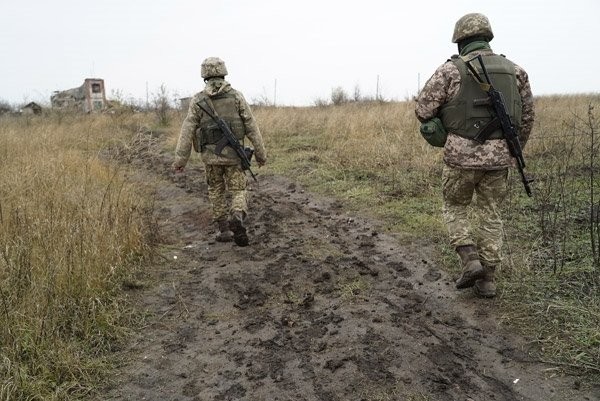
(357, 97)
(320, 102)
(5, 107)
(161, 104)
(339, 96)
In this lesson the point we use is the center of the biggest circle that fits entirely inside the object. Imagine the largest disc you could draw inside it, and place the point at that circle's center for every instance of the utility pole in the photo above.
(377, 89)
(147, 102)
(275, 93)
(418, 83)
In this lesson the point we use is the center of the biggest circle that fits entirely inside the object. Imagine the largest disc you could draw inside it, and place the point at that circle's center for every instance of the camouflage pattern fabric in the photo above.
(195, 115)
(213, 67)
(224, 179)
(490, 188)
(471, 25)
(460, 152)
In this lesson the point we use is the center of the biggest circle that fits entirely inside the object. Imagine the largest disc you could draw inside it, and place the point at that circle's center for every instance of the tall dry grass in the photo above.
(71, 227)
(368, 136)
(365, 153)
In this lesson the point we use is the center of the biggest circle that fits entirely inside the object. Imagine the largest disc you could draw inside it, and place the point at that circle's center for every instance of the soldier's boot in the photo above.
(486, 287)
(225, 234)
(236, 224)
(472, 268)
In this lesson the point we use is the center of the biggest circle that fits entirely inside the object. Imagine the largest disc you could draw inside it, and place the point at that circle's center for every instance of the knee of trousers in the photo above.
(239, 201)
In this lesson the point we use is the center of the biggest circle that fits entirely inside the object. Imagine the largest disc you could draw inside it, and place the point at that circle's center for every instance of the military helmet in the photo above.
(470, 25)
(213, 67)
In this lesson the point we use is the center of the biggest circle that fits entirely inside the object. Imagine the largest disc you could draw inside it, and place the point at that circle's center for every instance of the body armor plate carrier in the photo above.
(470, 110)
(225, 105)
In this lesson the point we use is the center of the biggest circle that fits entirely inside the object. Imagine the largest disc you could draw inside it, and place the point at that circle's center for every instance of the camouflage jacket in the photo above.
(465, 153)
(192, 123)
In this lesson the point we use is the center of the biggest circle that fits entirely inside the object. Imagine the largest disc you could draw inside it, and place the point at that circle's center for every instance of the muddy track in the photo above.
(323, 305)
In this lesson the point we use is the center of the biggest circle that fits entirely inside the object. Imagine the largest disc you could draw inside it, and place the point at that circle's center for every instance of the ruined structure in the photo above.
(31, 108)
(184, 103)
(88, 97)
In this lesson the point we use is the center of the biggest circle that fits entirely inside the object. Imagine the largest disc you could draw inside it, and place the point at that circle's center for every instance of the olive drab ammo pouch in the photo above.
(469, 112)
(434, 132)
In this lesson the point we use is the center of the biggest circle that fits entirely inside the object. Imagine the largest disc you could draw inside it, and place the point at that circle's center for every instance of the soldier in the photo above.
(223, 172)
(470, 167)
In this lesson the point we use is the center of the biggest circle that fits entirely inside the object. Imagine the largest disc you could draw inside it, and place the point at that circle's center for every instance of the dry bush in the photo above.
(339, 96)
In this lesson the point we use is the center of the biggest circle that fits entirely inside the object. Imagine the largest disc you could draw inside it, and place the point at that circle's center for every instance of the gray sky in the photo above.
(307, 47)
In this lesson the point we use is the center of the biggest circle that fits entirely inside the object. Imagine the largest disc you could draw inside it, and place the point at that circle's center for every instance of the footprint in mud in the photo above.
(400, 269)
(251, 297)
(235, 392)
(432, 275)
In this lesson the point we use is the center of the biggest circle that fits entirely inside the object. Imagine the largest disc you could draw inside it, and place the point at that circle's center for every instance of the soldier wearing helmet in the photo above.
(447, 106)
(223, 172)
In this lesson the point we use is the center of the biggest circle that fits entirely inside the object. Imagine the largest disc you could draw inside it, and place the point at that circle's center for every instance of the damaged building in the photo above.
(89, 97)
(31, 108)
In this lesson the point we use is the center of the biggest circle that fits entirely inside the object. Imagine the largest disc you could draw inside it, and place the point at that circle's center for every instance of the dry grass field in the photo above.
(73, 229)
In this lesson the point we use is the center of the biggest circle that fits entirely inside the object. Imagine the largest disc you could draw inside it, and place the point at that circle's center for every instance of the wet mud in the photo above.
(322, 305)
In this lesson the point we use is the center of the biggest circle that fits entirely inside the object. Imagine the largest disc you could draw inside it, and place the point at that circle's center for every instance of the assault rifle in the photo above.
(502, 120)
(245, 154)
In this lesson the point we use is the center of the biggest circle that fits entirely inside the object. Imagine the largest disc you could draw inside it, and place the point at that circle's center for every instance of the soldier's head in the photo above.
(472, 26)
(213, 67)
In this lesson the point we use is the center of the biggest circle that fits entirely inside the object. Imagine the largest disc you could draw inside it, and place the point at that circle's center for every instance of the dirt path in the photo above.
(321, 306)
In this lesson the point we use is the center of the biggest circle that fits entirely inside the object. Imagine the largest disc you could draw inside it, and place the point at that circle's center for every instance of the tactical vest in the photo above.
(225, 106)
(469, 111)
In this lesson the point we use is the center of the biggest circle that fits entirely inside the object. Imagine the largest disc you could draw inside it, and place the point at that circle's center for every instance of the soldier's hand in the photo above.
(178, 169)
(261, 162)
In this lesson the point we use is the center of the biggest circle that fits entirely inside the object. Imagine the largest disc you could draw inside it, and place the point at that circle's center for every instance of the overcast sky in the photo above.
(306, 47)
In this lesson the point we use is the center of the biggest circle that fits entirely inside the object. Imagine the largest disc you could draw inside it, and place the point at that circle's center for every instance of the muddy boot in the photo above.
(224, 235)
(472, 268)
(486, 287)
(236, 224)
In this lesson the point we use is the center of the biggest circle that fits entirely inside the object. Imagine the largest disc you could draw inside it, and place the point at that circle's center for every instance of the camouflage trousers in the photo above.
(224, 182)
(490, 188)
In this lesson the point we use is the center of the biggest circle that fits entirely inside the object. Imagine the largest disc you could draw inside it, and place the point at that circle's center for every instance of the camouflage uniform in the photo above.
(471, 167)
(223, 172)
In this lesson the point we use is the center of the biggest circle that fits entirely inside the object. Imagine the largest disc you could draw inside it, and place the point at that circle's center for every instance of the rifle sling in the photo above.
(484, 85)
(212, 107)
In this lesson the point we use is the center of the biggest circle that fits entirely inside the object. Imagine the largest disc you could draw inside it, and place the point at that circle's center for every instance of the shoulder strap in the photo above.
(212, 113)
(212, 106)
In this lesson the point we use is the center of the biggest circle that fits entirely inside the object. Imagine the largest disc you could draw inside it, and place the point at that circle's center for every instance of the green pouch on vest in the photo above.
(434, 132)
